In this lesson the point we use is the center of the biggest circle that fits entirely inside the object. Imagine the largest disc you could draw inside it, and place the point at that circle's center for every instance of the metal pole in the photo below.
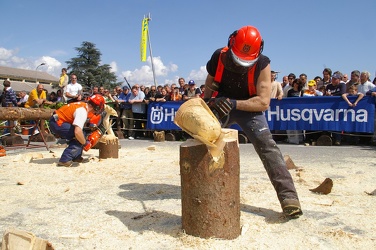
(36, 72)
(151, 53)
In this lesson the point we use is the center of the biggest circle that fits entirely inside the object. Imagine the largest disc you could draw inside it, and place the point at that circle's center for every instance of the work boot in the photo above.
(291, 208)
(80, 160)
(65, 164)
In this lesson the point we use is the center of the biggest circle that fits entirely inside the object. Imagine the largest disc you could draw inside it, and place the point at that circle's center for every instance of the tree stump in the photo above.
(108, 149)
(210, 190)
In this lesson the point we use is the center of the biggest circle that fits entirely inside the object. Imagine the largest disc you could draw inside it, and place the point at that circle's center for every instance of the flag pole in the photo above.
(151, 53)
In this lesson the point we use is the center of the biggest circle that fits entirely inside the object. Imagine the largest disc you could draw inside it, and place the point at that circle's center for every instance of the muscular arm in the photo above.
(258, 103)
(262, 100)
(79, 135)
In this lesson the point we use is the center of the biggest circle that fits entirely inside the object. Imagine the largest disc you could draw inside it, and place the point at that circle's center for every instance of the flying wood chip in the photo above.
(324, 188)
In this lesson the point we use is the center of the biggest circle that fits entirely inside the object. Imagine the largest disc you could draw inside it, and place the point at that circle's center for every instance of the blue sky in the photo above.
(300, 36)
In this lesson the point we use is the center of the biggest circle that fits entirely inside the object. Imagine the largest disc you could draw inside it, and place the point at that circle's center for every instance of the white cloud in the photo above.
(199, 76)
(144, 75)
(5, 54)
(114, 67)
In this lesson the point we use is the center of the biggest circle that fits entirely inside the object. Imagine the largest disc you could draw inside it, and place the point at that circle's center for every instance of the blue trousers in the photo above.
(255, 126)
(66, 131)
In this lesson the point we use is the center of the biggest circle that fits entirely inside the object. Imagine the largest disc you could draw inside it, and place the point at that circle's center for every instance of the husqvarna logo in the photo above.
(246, 48)
(160, 114)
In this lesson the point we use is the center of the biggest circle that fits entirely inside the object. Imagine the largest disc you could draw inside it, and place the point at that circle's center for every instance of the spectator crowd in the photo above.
(131, 101)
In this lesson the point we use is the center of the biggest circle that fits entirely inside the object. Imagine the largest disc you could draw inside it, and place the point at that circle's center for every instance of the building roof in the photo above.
(24, 79)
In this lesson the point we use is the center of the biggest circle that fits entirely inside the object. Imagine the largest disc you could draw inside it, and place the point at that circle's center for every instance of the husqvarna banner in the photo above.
(144, 38)
(302, 113)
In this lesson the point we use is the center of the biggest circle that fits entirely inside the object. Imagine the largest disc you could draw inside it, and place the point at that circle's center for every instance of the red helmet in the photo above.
(246, 45)
(97, 101)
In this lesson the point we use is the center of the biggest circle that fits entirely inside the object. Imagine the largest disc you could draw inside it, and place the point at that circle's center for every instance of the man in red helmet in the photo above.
(242, 77)
(68, 123)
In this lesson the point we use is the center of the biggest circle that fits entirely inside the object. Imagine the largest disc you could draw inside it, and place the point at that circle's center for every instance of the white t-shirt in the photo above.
(73, 89)
(80, 116)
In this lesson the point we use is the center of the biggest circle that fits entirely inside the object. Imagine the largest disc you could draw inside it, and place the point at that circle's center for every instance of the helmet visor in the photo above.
(241, 62)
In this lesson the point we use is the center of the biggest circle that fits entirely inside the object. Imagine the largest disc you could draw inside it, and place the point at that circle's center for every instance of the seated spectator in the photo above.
(59, 96)
(73, 91)
(23, 99)
(37, 97)
(312, 91)
(52, 97)
(192, 91)
(163, 96)
(8, 99)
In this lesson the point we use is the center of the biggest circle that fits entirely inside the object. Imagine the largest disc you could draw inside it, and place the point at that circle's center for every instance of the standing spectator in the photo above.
(248, 100)
(345, 78)
(365, 85)
(285, 81)
(317, 80)
(101, 90)
(95, 90)
(176, 96)
(64, 79)
(146, 90)
(354, 79)
(23, 98)
(126, 113)
(303, 78)
(336, 87)
(73, 91)
(312, 91)
(277, 91)
(150, 97)
(327, 74)
(109, 100)
(291, 77)
(139, 110)
(142, 88)
(163, 96)
(8, 99)
(353, 91)
(192, 91)
(181, 82)
(295, 136)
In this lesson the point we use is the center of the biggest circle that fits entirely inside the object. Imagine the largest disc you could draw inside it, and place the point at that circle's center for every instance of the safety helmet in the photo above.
(245, 45)
(97, 101)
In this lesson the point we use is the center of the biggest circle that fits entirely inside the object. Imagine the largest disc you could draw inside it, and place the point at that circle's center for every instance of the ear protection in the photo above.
(230, 41)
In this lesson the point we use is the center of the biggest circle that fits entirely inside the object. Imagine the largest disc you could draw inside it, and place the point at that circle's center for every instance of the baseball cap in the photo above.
(125, 87)
(337, 76)
(311, 83)
(191, 82)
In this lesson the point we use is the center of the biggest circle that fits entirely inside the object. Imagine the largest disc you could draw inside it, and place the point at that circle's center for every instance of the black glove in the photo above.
(220, 107)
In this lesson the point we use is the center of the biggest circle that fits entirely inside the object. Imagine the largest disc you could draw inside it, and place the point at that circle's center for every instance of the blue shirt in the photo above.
(125, 98)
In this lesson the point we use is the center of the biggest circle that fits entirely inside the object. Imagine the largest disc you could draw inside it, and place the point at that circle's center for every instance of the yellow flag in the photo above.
(144, 39)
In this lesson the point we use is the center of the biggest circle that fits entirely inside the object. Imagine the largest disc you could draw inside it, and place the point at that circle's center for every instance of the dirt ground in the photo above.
(133, 202)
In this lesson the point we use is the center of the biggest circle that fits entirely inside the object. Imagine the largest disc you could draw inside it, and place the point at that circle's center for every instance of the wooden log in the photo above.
(25, 114)
(108, 148)
(210, 190)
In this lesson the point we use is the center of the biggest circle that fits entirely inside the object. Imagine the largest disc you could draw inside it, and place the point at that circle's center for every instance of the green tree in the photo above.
(86, 66)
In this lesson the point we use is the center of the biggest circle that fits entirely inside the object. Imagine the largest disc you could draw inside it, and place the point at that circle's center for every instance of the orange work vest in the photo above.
(251, 74)
(65, 113)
